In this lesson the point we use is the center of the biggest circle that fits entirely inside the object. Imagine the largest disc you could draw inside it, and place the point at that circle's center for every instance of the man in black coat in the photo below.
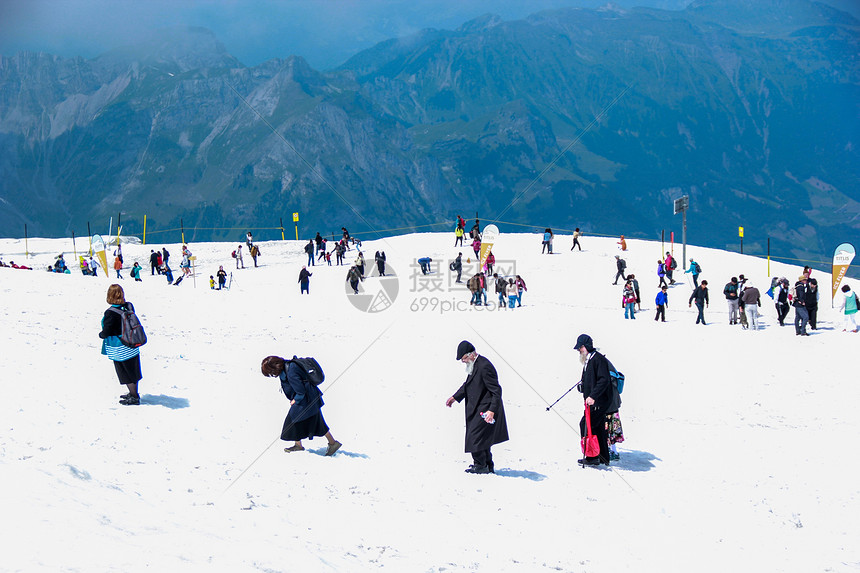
(596, 387)
(153, 261)
(485, 414)
(700, 295)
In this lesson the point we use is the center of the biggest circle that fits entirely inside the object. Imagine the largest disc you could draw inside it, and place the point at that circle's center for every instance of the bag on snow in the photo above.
(311, 369)
(132, 334)
(590, 444)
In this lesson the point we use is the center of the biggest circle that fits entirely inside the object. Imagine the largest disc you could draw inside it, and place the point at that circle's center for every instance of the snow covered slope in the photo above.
(738, 452)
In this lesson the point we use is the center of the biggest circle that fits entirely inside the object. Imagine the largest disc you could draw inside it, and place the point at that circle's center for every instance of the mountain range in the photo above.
(585, 118)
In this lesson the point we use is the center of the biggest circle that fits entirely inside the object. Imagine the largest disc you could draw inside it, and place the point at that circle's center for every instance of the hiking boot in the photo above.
(613, 456)
(294, 448)
(124, 396)
(475, 469)
(332, 448)
(131, 400)
(589, 462)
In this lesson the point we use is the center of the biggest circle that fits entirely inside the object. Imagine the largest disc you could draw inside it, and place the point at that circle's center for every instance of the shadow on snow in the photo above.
(166, 401)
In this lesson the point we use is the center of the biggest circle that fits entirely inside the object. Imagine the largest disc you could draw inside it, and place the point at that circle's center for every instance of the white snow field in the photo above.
(739, 451)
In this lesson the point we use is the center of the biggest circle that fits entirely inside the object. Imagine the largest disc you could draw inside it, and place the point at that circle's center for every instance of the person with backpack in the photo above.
(596, 388)
(521, 286)
(662, 301)
(222, 277)
(117, 265)
(321, 251)
(457, 265)
(305, 280)
(473, 287)
(339, 250)
(700, 295)
(458, 236)
(240, 263)
(309, 250)
(632, 278)
(255, 252)
(353, 276)
(732, 299)
(661, 273)
(628, 300)
(576, 236)
(135, 272)
(752, 301)
(126, 360)
(848, 305)
(696, 270)
(486, 424)
(501, 288)
(671, 265)
(801, 315)
(620, 265)
(304, 419)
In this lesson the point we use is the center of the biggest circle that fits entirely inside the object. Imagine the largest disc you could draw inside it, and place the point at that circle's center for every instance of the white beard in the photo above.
(583, 358)
(470, 367)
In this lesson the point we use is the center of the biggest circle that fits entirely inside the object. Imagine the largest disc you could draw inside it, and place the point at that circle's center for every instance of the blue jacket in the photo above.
(308, 398)
(662, 298)
(692, 268)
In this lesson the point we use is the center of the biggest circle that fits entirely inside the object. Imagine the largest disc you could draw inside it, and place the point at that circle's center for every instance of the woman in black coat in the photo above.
(305, 419)
(126, 360)
(486, 425)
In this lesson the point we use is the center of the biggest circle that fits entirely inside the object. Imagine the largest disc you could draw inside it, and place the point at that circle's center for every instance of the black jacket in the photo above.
(304, 276)
(731, 291)
(595, 384)
(811, 298)
(153, 258)
(799, 295)
(483, 393)
(700, 295)
(112, 322)
(621, 264)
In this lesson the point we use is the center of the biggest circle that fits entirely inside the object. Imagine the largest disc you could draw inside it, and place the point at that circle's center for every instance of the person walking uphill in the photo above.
(752, 301)
(486, 425)
(700, 295)
(596, 388)
(305, 280)
(801, 315)
(620, 265)
(126, 360)
(696, 270)
(305, 419)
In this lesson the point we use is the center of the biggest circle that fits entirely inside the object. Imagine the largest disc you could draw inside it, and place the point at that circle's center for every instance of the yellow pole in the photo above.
(144, 229)
(297, 232)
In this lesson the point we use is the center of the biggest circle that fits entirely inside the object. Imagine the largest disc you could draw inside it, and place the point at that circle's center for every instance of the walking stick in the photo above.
(562, 396)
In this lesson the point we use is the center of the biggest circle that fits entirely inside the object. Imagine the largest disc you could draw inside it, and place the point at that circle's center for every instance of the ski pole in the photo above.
(562, 396)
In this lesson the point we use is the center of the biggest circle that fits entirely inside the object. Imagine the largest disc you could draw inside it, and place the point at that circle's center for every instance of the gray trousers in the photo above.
(733, 310)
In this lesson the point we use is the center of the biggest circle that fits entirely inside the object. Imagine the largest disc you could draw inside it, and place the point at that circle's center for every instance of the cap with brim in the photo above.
(464, 348)
(583, 340)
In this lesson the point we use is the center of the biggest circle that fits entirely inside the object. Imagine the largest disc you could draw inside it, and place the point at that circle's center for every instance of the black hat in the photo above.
(584, 340)
(464, 348)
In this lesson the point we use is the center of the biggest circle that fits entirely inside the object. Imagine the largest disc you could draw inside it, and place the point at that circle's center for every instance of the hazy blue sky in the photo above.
(325, 32)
